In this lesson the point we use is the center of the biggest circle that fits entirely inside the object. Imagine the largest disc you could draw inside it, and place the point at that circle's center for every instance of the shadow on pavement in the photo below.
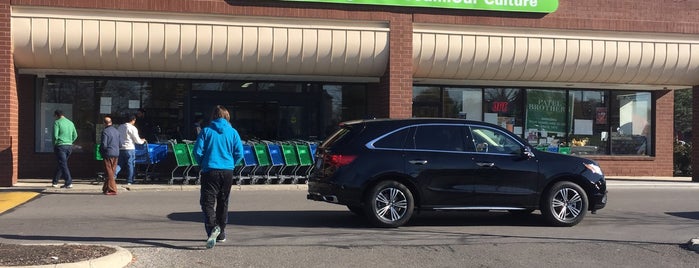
(346, 219)
(692, 215)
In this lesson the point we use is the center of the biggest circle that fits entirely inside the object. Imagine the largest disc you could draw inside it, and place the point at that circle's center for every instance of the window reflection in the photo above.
(76, 98)
(504, 107)
(589, 129)
(630, 122)
(463, 103)
(581, 122)
(342, 103)
(426, 101)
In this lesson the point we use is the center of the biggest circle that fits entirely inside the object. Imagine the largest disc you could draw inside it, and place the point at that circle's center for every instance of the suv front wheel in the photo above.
(565, 204)
(389, 204)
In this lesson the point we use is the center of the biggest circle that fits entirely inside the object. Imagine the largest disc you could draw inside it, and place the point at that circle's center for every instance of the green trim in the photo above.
(537, 6)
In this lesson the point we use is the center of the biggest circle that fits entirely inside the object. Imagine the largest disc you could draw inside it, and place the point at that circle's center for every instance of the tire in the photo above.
(389, 204)
(358, 210)
(565, 204)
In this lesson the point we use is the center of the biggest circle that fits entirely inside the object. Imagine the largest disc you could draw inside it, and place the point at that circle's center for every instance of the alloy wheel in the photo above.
(567, 204)
(391, 204)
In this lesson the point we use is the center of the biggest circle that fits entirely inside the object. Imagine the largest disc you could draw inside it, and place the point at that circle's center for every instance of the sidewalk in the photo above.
(85, 185)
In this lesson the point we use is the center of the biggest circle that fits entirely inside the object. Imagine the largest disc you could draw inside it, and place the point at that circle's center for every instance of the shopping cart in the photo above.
(147, 156)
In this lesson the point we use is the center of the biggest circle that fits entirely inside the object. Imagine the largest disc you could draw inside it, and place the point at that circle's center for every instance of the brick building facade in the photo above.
(673, 26)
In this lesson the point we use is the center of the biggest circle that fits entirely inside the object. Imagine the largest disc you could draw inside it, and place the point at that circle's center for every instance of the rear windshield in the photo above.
(336, 136)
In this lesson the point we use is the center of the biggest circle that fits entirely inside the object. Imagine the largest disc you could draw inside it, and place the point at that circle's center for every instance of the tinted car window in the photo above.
(394, 140)
(439, 138)
(335, 137)
(488, 140)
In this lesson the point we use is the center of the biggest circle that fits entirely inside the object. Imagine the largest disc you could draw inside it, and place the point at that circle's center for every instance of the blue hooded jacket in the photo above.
(218, 146)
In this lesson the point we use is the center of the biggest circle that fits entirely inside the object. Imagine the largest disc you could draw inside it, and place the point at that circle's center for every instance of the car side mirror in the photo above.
(527, 152)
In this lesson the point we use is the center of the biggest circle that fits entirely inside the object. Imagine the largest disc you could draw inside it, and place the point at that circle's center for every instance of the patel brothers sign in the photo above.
(538, 6)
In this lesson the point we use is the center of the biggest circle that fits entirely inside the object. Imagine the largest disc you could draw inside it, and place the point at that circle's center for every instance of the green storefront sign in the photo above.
(538, 6)
(546, 110)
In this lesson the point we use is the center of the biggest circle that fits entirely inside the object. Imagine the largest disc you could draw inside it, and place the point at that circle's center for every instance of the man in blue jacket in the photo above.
(217, 149)
(109, 149)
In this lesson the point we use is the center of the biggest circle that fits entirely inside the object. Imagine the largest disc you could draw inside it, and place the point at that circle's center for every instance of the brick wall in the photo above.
(393, 95)
(8, 102)
(400, 69)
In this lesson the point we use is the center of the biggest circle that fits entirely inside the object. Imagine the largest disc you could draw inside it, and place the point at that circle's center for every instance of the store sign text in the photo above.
(538, 6)
(499, 107)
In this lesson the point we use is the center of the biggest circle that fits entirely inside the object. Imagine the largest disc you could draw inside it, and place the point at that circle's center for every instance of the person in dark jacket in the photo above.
(109, 149)
(217, 149)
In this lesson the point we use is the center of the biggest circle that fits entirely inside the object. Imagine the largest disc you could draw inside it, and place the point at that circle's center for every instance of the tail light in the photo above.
(338, 160)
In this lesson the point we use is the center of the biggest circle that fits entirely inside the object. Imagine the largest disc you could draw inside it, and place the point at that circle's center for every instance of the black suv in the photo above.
(386, 168)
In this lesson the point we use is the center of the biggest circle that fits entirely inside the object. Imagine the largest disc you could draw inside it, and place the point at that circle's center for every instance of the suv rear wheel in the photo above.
(565, 204)
(389, 204)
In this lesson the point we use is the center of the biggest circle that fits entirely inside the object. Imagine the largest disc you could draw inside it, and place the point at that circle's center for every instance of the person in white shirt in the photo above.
(127, 148)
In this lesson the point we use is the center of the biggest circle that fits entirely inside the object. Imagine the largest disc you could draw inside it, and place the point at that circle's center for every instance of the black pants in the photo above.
(215, 190)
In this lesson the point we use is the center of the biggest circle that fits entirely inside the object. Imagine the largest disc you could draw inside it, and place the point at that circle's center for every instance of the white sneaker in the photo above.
(54, 185)
(69, 186)
(211, 242)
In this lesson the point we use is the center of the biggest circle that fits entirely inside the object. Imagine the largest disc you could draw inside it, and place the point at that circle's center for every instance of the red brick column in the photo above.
(664, 133)
(695, 133)
(8, 102)
(398, 79)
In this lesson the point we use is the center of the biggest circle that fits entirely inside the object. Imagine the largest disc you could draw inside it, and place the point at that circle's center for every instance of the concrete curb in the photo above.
(120, 258)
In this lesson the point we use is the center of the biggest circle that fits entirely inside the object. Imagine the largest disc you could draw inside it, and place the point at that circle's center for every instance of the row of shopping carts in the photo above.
(147, 157)
(264, 162)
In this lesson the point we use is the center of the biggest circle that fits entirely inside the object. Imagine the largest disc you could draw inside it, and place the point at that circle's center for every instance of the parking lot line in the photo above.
(10, 200)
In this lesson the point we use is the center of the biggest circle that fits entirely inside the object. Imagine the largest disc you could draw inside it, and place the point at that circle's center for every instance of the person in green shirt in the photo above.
(64, 134)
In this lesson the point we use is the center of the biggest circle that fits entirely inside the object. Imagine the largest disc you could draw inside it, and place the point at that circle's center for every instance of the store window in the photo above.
(631, 123)
(341, 103)
(76, 98)
(546, 117)
(503, 107)
(588, 131)
(427, 101)
(162, 100)
(464, 103)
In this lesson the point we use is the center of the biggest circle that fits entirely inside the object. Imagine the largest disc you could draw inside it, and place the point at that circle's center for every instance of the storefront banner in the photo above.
(537, 6)
(546, 110)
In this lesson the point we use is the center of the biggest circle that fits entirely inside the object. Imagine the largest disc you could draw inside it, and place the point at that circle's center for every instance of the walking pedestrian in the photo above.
(217, 149)
(64, 134)
(127, 148)
(109, 149)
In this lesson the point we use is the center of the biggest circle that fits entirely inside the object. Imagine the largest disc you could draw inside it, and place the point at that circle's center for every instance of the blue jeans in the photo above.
(62, 153)
(127, 160)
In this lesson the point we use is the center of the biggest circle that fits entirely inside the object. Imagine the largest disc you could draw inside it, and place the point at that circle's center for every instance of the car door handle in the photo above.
(484, 164)
(418, 162)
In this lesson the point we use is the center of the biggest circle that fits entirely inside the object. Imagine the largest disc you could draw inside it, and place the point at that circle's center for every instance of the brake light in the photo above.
(338, 160)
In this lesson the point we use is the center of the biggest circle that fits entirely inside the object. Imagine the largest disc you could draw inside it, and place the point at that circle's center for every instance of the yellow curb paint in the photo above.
(13, 199)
